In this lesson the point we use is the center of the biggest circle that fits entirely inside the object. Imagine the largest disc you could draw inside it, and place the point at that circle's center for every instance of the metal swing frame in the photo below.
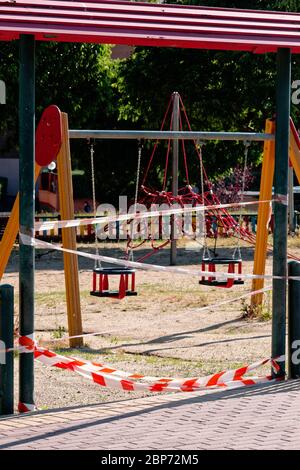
(209, 263)
(100, 283)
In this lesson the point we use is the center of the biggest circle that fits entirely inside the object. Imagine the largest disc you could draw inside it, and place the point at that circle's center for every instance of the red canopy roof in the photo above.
(149, 24)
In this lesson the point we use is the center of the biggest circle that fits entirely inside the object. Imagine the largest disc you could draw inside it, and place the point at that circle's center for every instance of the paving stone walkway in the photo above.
(261, 417)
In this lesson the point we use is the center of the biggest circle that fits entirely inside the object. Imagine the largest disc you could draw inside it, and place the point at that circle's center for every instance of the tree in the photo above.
(78, 79)
(229, 91)
(75, 77)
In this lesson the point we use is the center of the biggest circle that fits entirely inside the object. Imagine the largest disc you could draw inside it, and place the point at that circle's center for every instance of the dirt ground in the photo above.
(163, 331)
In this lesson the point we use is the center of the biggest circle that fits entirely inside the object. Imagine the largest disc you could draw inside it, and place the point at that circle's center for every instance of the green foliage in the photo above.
(76, 77)
(229, 91)
(59, 332)
(222, 91)
(256, 312)
(261, 312)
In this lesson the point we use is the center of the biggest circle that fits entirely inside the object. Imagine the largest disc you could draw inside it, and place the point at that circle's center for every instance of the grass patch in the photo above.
(261, 312)
(50, 299)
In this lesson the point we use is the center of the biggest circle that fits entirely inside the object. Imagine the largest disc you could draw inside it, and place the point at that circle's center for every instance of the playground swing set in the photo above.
(100, 285)
(270, 33)
(101, 275)
(53, 134)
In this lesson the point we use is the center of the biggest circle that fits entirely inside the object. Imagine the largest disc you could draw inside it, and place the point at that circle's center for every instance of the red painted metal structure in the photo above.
(118, 22)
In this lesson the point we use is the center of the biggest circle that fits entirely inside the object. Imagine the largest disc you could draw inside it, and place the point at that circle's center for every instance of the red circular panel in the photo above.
(48, 137)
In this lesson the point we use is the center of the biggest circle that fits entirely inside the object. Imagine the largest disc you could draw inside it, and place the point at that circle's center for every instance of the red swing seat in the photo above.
(211, 264)
(101, 282)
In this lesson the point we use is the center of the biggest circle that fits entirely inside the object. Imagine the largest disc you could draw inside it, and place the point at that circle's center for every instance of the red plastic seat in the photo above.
(210, 265)
(101, 282)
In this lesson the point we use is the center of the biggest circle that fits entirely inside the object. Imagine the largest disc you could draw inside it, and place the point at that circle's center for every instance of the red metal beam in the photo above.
(150, 24)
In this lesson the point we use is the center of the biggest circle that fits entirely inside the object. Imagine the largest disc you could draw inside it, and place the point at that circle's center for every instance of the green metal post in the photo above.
(294, 322)
(27, 188)
(175, 156)
(283, 96)
(6, 342)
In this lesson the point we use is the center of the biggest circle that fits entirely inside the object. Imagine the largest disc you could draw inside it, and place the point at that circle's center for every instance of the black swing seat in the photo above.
(113, 271)
(211, 264)
(101, 282)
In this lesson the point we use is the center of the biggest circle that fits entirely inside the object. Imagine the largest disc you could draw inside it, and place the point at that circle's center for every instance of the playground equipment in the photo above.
(175, 119)
(101, 285)
(174, 26)
(101, 276)
(48, 141)
(52, 143)
(236, 260)
(211, 267)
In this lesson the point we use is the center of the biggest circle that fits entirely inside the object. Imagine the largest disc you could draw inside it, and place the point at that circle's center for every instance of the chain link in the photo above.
(92, 153)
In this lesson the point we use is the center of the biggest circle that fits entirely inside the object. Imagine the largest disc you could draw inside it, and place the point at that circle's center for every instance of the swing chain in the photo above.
(137, 184)
(240, 221)
(206, 252)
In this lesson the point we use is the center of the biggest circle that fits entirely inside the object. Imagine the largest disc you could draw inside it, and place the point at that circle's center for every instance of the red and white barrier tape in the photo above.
(107, 376)
(26, 407)
(27, 344)
(48, 225)
(27, 240)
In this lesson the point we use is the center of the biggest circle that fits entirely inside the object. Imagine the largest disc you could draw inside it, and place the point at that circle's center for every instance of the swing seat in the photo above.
(101, 282)
(211, 264)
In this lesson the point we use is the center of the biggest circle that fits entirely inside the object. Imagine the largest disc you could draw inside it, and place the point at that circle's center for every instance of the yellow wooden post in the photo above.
(11, 231)
(295, 155)
(65, 188)
(265, 194)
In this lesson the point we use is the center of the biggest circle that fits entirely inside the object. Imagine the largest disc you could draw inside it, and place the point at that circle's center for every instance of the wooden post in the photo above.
(65, 188)
(295, 150)
(265, 194)
(291, 200)
(11, 230)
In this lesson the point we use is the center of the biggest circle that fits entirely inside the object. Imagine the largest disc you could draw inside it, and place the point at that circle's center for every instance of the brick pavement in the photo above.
(261, 417)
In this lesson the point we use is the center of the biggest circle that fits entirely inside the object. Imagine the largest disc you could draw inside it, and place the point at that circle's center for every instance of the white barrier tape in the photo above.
(48, 225)
(113, 378)
(282, 199)
(149, 267)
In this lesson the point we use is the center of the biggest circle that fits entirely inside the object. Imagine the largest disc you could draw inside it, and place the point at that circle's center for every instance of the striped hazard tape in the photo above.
(107, 376)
